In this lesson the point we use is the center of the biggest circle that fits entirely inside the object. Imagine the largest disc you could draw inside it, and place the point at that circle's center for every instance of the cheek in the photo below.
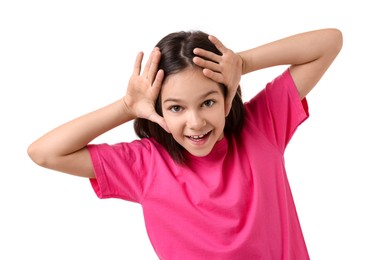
(222, 122)
(219, 117)
(173, 123)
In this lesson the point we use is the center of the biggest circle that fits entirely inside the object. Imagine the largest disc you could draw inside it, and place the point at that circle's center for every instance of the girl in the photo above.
(208, 170)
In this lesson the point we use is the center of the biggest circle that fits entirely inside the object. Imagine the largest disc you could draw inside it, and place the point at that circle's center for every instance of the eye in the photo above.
(208, 103)
(175, 109)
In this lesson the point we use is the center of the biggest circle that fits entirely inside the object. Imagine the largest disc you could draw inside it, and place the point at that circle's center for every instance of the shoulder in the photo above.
(136, 149)
(282, 85)
(277, 110)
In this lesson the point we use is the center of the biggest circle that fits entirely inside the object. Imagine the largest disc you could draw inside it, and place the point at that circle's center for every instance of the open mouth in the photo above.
(198, 138)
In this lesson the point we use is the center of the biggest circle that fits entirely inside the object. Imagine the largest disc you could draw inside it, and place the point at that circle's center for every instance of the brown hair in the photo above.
(176, 55)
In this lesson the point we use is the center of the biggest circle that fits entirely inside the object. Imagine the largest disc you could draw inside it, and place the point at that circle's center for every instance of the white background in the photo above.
(61, 59)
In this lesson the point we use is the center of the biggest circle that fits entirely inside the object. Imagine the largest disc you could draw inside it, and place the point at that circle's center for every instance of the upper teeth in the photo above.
(198, 136)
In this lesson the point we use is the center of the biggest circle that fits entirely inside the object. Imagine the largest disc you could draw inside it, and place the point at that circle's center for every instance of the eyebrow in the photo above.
(201, 97)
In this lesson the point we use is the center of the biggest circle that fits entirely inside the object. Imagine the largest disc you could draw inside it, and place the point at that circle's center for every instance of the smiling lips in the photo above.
(198, 138)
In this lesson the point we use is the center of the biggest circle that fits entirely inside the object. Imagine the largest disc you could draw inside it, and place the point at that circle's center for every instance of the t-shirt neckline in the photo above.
(218, 152)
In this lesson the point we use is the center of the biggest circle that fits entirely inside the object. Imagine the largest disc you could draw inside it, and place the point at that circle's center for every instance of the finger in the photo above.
(155, 60)
(215, 76)
(145, 73)
(228, 104)
(206, 64)
(157, 83)
(218, 44)
(207, 55)
(137, 64)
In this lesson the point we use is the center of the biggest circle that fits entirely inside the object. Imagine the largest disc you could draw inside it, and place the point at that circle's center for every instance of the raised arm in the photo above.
(64, 148)
(310, 54)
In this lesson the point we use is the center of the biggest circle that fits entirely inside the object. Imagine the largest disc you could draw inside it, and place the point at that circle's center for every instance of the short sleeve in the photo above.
(119, 170)
(277, 110)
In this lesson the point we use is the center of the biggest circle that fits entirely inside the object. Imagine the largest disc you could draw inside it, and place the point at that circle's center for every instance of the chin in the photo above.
(200, 154)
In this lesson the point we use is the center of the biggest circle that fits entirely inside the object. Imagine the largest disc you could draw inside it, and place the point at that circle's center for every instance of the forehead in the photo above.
(189, 83)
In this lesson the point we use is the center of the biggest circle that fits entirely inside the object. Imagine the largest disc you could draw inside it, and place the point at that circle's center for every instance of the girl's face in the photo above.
(193, 107)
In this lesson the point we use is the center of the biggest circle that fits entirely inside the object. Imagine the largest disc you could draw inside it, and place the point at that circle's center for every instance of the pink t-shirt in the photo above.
(234, 203)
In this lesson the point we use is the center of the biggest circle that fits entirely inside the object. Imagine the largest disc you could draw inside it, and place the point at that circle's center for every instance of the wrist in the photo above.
(243, 64)
(126, 109)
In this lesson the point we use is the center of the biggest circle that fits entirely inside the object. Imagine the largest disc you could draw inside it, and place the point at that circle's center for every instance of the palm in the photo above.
(143, 89)
(141, 96)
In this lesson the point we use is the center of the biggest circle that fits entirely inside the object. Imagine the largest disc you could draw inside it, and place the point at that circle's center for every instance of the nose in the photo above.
(195, 120)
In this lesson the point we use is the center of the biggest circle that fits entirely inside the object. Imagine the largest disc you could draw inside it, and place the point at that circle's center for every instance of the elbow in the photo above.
(331, 44)
(36, 155)
(336, 39)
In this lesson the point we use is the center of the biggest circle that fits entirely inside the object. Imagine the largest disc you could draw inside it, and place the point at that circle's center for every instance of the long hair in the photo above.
(176, 55)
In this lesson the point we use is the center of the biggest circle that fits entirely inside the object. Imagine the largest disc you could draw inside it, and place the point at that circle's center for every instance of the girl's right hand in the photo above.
(144, 88)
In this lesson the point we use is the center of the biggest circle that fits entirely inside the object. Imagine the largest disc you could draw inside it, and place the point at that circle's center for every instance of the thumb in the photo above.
(228, 104)
(156, 118)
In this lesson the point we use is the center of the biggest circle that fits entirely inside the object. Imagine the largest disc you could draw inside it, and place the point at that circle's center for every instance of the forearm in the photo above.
(76, 134)
(293, 50)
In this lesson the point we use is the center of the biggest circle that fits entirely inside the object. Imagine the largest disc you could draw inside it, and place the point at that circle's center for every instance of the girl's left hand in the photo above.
(225, 68)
